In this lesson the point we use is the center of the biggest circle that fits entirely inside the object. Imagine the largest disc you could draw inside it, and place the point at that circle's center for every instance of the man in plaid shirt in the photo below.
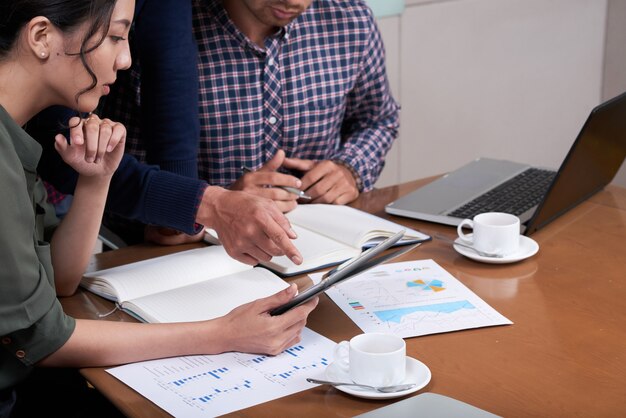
(295, 90)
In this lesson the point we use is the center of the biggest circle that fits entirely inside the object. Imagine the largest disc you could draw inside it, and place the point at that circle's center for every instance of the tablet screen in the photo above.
(351, 268)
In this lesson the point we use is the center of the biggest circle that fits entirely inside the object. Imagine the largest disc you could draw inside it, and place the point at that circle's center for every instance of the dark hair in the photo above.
(66, 15)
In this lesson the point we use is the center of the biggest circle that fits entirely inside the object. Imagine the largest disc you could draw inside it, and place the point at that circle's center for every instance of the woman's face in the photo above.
(111, 55)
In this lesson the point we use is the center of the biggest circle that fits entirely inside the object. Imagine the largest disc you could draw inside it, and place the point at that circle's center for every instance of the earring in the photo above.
(43, 54)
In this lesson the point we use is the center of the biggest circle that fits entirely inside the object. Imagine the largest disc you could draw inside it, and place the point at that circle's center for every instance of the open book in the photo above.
(192, 285)
(331, 234)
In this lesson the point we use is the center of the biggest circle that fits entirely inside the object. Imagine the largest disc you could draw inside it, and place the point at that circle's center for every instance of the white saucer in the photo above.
(416, 372)
(527, 248)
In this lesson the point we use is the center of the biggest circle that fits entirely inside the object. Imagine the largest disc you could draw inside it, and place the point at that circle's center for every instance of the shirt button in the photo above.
(272, 120)
(6, 340)
(20, 354)
(270, 61)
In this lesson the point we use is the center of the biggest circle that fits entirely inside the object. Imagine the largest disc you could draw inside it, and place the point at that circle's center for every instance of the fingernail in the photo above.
(97, 160)
(109, 148)
(293, 233)
(298, 183)
(296, 259)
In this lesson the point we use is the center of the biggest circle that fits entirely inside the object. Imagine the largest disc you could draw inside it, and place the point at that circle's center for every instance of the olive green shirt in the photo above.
(32, 322)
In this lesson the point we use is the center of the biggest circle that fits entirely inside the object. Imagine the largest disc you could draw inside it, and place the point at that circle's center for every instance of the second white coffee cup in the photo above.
(494, 232)
(373, 359)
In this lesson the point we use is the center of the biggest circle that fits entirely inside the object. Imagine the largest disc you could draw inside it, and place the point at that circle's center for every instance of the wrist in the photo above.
(215, 335)
(351, 170)
(209, 205)
(94, 181)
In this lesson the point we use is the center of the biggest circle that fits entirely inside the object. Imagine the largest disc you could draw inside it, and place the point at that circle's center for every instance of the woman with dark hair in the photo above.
(68, 53)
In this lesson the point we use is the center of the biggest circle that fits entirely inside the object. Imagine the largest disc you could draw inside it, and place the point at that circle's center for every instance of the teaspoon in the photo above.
(460, 244)
(383, 389)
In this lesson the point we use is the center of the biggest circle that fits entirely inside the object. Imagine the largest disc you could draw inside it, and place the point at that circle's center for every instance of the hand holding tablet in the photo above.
(364, 261)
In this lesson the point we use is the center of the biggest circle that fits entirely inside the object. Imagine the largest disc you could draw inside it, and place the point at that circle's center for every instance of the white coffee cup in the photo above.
(373, 359)
(494, 232)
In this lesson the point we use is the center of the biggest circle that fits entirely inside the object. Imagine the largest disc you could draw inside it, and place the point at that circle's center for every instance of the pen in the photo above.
(293, 190)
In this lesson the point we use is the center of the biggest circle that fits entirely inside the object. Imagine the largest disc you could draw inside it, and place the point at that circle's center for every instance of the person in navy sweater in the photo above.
(166, 193)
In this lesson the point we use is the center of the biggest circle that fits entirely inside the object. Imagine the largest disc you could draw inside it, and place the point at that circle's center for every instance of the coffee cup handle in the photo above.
(342, 351)
(459, 229)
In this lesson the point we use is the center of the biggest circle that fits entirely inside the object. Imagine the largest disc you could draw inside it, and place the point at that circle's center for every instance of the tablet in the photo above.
(364, 261)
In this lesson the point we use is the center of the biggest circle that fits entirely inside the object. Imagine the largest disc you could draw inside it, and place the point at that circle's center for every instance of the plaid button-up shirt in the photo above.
(317, 89)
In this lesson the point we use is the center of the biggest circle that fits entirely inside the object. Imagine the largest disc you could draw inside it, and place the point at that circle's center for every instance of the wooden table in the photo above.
(565, 355)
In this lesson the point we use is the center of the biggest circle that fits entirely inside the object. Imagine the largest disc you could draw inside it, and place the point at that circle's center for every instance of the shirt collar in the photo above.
(220, 15)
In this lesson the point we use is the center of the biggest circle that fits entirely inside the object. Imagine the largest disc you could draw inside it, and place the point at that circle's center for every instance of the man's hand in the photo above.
(251, 228)
(263, 183)
(325, 181)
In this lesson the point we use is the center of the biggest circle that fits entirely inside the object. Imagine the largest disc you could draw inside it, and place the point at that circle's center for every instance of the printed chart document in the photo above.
(192, 285)
(410, 299)
(331, 234)
(208, 386)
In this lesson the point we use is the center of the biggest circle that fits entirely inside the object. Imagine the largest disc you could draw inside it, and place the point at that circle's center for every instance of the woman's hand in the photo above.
(250, 328)
(95, 147)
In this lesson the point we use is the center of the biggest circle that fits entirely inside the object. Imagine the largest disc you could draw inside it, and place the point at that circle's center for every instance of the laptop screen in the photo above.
(591, 163)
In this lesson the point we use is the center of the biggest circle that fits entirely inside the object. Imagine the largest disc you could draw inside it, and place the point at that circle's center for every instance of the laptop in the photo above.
(536, 195)
(427, 404)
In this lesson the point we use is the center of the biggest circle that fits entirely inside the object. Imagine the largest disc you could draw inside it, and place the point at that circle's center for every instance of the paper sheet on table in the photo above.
(212, 385)
(410, 299)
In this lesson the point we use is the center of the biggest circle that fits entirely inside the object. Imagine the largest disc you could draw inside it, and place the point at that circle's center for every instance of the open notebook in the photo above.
(206, 283)
(192, 285)
(331, 234)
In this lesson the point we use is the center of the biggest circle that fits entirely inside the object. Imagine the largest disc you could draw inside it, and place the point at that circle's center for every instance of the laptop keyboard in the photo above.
(515, 196)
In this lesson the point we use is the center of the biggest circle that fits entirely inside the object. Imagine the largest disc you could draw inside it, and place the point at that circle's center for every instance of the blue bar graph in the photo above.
(213, 373)
(246, 384)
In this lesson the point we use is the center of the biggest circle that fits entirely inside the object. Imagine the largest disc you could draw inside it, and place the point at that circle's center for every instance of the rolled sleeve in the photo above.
(42, 338)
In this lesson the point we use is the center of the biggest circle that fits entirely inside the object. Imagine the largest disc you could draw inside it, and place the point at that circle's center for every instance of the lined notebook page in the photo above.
(351, 226)
(162, 273)
(317, 250)
(207, 300)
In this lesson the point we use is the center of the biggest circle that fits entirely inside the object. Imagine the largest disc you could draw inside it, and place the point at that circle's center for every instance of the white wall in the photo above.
(615, 61)
(389, 27)
(511, 79)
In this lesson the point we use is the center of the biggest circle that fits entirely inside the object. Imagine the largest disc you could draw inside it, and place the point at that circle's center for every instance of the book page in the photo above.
(161, 273)
(317, 251)
(348, 225)
(206, 300)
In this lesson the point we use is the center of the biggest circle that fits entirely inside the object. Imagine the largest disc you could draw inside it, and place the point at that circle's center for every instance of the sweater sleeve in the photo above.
(145, 193)
(138, 191)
